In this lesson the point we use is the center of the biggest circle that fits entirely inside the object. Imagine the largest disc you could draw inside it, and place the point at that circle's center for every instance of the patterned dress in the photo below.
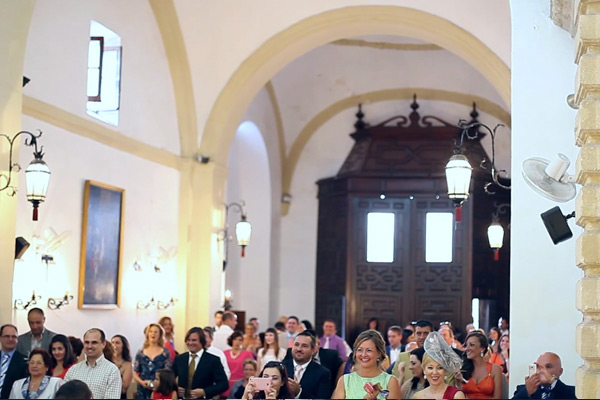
(146, 369)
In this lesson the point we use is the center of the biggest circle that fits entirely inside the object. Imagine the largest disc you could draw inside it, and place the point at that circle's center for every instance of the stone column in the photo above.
(587, 133)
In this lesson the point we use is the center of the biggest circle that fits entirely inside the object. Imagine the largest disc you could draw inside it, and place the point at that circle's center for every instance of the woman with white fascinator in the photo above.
(439, 361)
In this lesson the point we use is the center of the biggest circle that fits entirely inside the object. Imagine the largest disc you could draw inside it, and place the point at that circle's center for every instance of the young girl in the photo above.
(164, 385)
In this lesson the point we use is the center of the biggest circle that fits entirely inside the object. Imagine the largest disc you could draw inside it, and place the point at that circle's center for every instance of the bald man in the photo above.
(545, 383)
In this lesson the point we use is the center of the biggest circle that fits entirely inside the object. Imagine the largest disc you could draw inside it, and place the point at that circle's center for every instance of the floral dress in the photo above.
(146, 369)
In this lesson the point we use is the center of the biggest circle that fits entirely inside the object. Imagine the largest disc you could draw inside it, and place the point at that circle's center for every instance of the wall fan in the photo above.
(550, 179)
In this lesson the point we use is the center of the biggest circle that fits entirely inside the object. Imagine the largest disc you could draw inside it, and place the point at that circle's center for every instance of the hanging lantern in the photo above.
(496, 238)
(458, 177)
(243, 231)
(37, 176)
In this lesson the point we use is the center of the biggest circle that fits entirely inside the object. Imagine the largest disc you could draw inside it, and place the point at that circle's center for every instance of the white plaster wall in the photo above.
(330, 73)
(150, 222)
(249, 180)
(260, 20)
(56, 63)
(262, 113)
(543, 276)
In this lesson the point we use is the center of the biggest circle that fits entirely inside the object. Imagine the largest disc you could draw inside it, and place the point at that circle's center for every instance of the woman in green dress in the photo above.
(368, 381)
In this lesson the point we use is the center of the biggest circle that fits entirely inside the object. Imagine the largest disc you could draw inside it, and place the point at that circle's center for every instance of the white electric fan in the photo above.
(550, 179)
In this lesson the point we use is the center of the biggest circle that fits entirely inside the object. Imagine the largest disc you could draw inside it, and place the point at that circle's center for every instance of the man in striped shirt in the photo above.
(102, 376)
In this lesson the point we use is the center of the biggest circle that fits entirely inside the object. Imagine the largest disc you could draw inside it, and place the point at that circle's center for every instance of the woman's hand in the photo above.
(459, 379)
(272, 394)
(249, 390)
(372, 393)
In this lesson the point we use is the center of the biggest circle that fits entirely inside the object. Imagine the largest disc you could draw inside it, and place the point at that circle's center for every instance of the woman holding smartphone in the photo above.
(272, 383)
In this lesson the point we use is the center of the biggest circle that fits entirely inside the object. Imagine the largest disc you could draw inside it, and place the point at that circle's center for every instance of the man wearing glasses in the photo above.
(13, 365)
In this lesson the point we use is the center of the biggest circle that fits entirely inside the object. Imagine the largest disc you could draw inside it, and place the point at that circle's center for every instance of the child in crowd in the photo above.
(164, 385)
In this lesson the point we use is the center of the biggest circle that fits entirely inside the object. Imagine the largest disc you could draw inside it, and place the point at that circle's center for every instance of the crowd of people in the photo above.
(288, 360)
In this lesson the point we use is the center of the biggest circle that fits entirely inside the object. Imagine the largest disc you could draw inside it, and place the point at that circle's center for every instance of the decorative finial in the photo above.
(414, 105)
(360, 124)
(474, 114)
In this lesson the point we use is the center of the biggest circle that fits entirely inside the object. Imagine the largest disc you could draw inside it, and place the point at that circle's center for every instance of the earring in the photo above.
(482, 354)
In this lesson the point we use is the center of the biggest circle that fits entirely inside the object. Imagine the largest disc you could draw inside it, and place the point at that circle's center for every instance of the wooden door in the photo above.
(408, 288)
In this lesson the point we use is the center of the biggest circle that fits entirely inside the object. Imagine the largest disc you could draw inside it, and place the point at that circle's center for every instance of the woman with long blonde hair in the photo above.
(152, 357)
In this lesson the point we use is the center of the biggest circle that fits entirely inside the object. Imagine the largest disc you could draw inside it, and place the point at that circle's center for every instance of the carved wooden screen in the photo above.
(407, 288)
(402, 157)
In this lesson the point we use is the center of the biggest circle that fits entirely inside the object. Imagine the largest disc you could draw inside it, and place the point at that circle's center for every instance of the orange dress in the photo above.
(482, 390)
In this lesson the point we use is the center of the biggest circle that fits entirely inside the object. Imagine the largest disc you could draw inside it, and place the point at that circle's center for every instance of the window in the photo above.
(439, 228)
(380, 237)
(104, 74)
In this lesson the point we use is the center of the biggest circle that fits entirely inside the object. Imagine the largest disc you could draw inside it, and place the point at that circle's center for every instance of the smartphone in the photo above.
(532, 369)
(261, 383)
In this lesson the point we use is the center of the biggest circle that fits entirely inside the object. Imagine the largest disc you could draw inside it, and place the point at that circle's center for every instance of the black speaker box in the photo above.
(556, 225)
(21, 246)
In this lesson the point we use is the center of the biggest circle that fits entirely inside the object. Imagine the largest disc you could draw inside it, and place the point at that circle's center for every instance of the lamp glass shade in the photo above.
(458, 177)
(243, 231)
(37, 176)
(496, 235)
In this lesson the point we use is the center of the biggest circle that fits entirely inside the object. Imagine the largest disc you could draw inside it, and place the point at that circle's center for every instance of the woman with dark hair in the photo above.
(373, 324)
(278, 388)
(236, 357)
(62, 356)
(494, 338)
(152, 357)
(484, 379)
(37, 385)
(122, 359)
(271, 350)
(418, 381)
(407, 337)
(307, 324)
(77, 346)
(368, 380)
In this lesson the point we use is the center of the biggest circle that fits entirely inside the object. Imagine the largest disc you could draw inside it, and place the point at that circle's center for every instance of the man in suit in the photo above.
(328, 358)
(310, 380)
(38, 336)
(208, 378)
(13, 365)
(392, 350)
(400, 367)
(545, 383)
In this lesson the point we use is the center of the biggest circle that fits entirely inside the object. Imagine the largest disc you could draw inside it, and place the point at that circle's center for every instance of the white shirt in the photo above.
(221, 336)
(394, 354)
(216, 352)
(300, 371)
(197, 360)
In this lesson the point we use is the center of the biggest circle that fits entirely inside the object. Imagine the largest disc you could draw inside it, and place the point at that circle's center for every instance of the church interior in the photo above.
(303, 118)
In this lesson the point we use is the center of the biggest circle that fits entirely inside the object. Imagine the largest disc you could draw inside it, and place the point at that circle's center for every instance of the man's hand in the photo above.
(197, 393)
(181, 392)
(294, 387)
(532, 383)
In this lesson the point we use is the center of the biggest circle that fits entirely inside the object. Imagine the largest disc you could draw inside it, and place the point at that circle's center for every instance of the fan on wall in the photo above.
(551, 180)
